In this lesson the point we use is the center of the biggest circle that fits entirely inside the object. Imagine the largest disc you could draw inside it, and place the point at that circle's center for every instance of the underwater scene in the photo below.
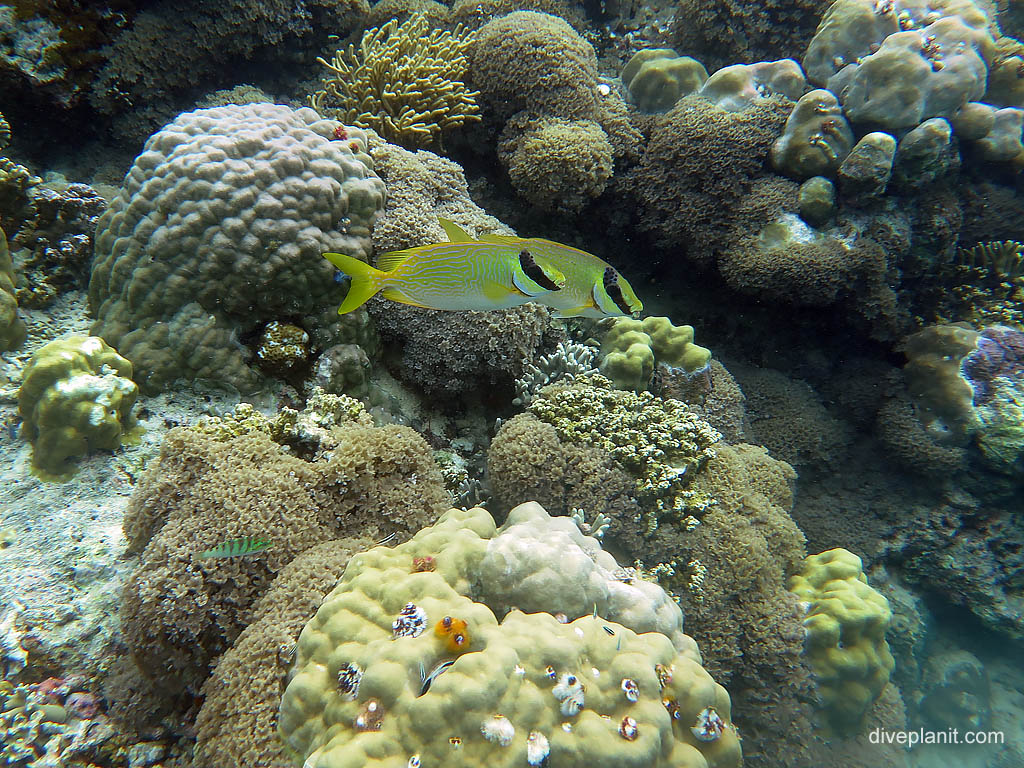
(511, 384)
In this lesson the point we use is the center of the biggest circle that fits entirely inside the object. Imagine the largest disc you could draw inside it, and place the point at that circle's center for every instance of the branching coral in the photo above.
(403, 81)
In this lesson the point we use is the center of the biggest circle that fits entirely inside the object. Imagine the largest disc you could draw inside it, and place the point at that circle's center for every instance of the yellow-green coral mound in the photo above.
(619, 685)
(632, 347)
(76, 398)
(404, 81)
(845, 624)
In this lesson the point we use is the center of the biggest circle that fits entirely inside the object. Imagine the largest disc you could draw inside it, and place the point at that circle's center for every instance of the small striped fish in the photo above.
(248, 545)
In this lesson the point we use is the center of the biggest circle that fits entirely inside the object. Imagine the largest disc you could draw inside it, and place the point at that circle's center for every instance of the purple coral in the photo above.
(999, 355)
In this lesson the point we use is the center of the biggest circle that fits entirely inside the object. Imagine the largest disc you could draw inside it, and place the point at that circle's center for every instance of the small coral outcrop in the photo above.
(658, 77)
(633, 348)
(12, 329)
(617, 683)
(404, 80)
(76, 398)
(846, 623)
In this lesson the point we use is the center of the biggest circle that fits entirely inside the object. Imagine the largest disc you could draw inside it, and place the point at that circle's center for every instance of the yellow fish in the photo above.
(593, 287)
(473, 275)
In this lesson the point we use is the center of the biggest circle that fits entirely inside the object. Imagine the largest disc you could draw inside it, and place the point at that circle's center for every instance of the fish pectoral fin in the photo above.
(498, 293)
(393, 294)
(456, 234)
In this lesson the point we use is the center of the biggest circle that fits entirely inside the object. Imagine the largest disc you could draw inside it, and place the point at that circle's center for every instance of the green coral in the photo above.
(845, 625)
(632, 348)
(403, 81)
(76, 397)
(662, 443)
(12, 329)
(617, 684)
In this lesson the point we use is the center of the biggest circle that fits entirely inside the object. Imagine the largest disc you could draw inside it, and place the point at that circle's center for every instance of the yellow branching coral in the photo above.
(403, 81)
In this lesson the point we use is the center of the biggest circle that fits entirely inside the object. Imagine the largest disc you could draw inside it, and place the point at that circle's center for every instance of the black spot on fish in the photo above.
(535, 273)
(614, 291)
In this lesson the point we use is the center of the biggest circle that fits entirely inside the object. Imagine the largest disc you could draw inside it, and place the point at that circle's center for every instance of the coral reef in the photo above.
(894, 64)
(816, 138)
(404, 80)
(228, 479)
(169, 51)
(452, 358)
(724, 33)
(59, 239)
(521, 678)
(242, 247)
(76, 398)
(528, 459)
(535, 62)
(788, 418)
(237, 724)
(736, 87)
(984, 285)
(970, 554)
(846, 623)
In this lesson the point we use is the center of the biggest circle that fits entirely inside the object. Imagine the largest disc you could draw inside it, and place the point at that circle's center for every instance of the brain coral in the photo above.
(223, 481)
(218, 229)
(618, 684)
(535, 62)
(556, 164)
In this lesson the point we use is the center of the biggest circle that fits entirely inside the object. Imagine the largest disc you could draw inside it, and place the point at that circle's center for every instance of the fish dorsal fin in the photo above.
(388, 261)
(501, 239)
(456, 234)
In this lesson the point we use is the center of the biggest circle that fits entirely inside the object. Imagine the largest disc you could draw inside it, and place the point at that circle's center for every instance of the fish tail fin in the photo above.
(366, 282)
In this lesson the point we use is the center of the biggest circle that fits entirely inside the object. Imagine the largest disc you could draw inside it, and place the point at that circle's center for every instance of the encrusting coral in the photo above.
(617, 683)
(404, 80)
(228, 478)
